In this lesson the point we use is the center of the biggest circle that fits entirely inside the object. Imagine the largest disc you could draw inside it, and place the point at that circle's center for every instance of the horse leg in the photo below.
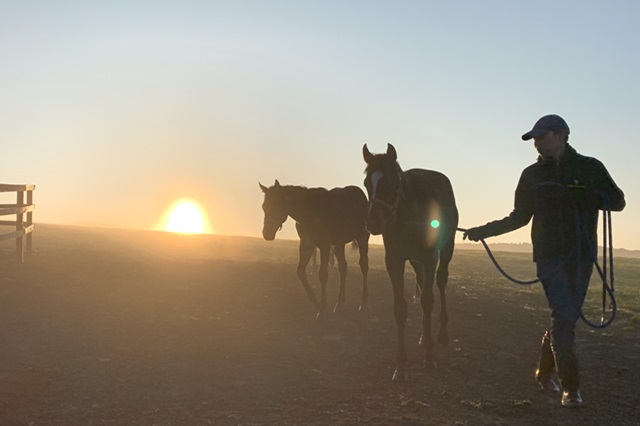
(395, 269)
(419, 269)
(306, 249)
(442, 276)
(323, 274)
(363, 247)
(332, 256)
(314, 263)
(338, 251)
(427, 300)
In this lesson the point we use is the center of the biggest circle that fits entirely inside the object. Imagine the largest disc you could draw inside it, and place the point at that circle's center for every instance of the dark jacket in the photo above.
(563, 200)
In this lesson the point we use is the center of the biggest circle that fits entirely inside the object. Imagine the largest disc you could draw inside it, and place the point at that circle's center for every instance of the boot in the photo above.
(571, 398)
(546, 372)
(567, 365)
(568, 372)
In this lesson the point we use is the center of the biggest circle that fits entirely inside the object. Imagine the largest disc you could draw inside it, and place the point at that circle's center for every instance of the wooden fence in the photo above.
(23, 223)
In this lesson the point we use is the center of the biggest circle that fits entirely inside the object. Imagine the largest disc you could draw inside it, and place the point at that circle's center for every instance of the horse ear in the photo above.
(391, 152)
(264, 188)
(276, 184)
(368, 156)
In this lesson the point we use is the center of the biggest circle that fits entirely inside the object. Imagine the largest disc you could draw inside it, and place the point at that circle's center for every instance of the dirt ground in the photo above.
(97, 328)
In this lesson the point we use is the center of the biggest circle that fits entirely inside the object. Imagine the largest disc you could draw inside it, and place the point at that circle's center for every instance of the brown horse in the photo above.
(415, 211)
(324, 219)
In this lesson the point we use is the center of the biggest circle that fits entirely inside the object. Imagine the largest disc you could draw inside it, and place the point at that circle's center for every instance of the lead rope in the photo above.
(498, 267)
(607, 289)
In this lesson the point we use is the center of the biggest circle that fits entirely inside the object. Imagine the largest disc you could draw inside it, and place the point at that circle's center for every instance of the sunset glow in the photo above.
(186, 217)
(154, 102)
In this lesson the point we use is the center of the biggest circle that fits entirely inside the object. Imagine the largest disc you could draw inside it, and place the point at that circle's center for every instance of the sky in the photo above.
(115, 110)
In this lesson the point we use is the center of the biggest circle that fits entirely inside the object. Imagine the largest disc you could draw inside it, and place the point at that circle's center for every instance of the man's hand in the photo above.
(474, 234)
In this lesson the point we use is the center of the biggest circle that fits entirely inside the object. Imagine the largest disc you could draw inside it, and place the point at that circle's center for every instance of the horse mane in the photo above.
(302, 188)
(309, 198)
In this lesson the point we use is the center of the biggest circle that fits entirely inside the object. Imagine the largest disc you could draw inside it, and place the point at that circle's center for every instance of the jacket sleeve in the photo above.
(521, 214)
(610, 197)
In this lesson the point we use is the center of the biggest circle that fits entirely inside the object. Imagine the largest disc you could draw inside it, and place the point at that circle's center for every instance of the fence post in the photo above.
(23, 223)
(29, 222)
(19, 227)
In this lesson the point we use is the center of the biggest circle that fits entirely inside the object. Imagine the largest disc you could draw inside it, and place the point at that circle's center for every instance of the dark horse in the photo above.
(324, 218)
(415, 211)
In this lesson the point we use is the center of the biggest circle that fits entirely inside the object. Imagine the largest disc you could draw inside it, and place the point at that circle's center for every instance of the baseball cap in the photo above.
(551, 122)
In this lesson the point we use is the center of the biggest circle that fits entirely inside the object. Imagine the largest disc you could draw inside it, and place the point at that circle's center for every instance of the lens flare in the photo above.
(435, 223)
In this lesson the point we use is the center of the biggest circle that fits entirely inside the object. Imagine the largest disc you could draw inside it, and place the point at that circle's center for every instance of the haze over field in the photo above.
(125, 327)
(117, 110)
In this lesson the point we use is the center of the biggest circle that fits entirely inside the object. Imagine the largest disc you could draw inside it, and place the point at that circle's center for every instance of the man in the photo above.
(562, 191)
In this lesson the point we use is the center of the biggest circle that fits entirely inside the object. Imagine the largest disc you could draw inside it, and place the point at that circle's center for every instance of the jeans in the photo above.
(565, 283)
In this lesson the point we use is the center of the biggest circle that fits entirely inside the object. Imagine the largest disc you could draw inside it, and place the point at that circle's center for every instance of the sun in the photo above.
(186, 217)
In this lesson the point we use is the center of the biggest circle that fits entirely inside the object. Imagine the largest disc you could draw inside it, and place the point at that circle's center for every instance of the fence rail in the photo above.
(23, 223)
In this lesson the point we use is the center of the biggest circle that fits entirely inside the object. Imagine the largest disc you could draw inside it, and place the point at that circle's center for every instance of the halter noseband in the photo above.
(391, 207)
(273, 223)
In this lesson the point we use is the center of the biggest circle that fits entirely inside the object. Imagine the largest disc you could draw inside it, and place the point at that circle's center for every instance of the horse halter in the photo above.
(280, 227)
(393, 206)
(273, 223)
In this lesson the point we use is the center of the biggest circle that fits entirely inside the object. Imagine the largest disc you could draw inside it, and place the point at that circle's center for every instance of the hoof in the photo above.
(319, 316)
(363, 307)
(400, 375)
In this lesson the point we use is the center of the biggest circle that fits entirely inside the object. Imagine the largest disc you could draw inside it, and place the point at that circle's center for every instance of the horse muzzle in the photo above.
(381, 215)
(269, 232)
(269, 237)
(375, 226)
